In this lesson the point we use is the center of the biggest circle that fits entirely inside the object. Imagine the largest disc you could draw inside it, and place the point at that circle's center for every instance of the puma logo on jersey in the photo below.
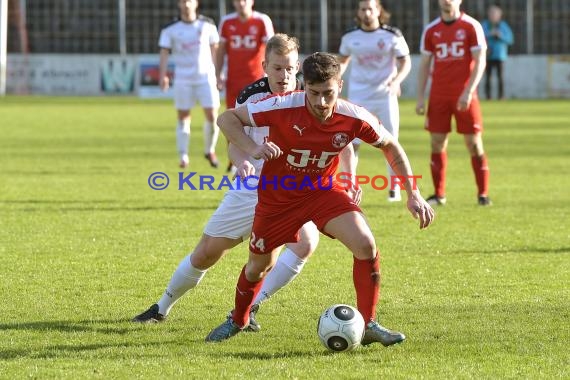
(437, 34)
(299, 129)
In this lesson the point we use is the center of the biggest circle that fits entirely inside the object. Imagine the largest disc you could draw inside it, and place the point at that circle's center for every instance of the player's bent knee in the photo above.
(304, 249)
(365, 249)
(256, 271)
(211, 249)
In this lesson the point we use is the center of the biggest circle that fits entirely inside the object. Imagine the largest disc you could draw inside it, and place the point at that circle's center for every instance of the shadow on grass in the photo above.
(258, 355)
(70, 326)
(69, 350)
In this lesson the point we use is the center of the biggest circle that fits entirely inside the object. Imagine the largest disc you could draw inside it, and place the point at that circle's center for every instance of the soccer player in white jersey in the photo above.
(192, 40)
(380, 62)
(231, 223)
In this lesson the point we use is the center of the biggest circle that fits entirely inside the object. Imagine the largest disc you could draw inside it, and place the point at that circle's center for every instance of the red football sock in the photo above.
(245, 293)
(438, 168)
(481, 170)
(366, 277)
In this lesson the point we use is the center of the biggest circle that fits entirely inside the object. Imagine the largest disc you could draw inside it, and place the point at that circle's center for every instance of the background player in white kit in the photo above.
(192, 40)
(380, 62)
(231, 223)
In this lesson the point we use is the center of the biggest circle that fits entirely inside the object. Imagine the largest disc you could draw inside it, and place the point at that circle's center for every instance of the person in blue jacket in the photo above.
(499, 36)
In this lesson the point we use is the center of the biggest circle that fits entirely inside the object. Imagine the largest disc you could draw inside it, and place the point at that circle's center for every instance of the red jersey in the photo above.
(310, 148)
(245, 46)
(451, 45)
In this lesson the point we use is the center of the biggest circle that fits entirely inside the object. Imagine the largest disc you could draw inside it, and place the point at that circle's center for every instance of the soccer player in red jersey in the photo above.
(243, 36)
(231, 223)
(455, 42)
(307, 130)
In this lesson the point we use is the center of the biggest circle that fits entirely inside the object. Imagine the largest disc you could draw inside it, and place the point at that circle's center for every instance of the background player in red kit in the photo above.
(243, 36)
(455, 42)
(307, 130)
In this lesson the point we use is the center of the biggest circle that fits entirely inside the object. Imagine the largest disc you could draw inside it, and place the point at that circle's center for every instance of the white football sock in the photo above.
(287, 267)
(184, 278)
(211, 133)
(183, 136)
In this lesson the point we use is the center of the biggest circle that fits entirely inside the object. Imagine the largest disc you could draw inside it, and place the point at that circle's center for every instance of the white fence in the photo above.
(526, 76)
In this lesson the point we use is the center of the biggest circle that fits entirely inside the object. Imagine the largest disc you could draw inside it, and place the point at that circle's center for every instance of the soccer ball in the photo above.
(341, 328)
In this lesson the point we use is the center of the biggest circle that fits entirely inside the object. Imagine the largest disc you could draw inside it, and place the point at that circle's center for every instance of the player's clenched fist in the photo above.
(267, 151)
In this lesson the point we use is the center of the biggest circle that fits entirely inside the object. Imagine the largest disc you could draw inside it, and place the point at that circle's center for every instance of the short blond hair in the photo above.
(281, 44)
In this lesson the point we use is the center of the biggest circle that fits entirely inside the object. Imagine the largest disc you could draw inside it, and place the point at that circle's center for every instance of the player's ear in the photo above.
(340, 83)
(264, 65)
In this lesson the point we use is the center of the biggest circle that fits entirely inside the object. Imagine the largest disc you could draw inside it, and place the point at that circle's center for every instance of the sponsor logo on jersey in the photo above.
(340, 140)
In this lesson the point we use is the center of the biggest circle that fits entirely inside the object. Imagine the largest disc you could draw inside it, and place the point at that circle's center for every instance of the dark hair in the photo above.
(320, 67)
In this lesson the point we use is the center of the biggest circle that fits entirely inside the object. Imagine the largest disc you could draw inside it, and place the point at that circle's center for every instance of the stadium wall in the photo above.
(526, 76)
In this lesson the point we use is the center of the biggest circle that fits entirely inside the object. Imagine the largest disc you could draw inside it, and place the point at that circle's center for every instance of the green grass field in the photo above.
(85, 245)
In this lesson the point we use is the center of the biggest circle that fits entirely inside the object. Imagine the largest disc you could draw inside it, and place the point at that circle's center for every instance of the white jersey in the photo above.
(373, 60)
(189, 43)
(254, 92)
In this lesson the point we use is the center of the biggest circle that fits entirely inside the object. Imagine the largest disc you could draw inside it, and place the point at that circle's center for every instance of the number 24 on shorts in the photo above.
(257, 243)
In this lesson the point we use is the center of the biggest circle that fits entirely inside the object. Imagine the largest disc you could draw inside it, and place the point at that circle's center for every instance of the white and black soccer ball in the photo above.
(341, 328)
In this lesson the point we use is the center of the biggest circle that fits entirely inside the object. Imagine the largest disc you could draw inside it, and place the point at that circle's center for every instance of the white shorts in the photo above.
(186, 95)
(234, 216)
(387, 111)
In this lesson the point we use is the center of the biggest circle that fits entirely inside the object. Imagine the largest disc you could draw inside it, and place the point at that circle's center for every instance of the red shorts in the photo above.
(273, 227)
(440, 110)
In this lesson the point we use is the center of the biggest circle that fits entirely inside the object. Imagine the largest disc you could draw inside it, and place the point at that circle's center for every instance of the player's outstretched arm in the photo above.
(396, 156)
